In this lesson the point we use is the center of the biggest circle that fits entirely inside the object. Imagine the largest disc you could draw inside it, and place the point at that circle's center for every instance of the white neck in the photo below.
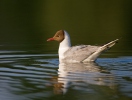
(64, 45)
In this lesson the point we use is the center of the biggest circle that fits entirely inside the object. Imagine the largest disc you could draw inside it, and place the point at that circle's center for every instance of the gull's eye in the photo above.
(58, 35)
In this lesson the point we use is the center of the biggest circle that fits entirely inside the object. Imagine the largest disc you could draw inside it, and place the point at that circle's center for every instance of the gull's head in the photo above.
(59, 36)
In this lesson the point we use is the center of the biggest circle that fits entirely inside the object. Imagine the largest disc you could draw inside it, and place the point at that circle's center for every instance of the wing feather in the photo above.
(79, 53)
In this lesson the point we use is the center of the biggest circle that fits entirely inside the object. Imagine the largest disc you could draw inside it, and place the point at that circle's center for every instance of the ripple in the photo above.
(32, 75)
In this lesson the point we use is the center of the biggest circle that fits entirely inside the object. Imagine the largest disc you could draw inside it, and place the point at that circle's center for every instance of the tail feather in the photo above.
(103, 48)
(110, 44)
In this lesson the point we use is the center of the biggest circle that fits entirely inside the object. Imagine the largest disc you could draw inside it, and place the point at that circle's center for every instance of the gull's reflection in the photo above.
(78, 73)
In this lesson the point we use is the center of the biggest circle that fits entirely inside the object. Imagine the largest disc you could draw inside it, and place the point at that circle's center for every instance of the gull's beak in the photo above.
(50, 39)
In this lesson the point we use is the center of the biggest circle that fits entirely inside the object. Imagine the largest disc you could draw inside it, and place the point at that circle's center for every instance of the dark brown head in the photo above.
(59, 36)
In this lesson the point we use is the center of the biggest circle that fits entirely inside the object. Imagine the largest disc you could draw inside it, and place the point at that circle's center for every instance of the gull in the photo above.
(79, 53)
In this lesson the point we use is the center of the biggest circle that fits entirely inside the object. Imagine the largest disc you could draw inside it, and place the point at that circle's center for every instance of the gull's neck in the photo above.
(64, 45)
(66, 42)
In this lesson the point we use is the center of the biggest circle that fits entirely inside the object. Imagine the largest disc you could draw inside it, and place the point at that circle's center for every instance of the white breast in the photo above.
(61, 53)
(64, 46)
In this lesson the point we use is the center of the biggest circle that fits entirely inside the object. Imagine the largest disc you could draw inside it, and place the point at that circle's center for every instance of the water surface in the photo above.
(33, 75)
(29, 66)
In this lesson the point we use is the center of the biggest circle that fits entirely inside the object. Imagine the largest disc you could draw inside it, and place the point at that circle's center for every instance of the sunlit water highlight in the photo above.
(25, 76)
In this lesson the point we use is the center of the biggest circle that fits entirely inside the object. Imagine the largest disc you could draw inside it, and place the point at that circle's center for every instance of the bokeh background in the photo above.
(28, 23)
(29, 67)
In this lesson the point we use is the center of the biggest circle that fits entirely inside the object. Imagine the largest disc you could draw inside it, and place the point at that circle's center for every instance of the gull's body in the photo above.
(81, 53)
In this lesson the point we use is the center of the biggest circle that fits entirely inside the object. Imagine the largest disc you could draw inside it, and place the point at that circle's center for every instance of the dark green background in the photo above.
(31, 22)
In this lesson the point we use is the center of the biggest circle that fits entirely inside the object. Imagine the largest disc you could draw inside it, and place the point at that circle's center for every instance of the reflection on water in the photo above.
(25, 76)
(37, 76)
(81, 75)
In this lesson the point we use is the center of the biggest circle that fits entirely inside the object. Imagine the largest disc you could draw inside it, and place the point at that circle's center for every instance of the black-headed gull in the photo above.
(80, 53)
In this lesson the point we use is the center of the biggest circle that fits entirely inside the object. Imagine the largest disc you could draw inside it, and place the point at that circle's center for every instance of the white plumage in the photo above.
(81, 53)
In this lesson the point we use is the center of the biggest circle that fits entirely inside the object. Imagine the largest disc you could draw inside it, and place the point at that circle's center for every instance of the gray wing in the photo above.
(79, 53)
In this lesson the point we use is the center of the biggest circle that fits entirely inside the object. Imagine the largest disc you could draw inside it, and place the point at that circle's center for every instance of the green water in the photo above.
(29, 66)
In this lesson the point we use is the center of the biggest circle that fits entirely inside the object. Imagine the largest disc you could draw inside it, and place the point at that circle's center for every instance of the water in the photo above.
(29, 66)
(33, 75)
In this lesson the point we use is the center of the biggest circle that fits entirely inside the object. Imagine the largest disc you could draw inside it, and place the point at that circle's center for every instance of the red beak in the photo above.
(50, 39)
